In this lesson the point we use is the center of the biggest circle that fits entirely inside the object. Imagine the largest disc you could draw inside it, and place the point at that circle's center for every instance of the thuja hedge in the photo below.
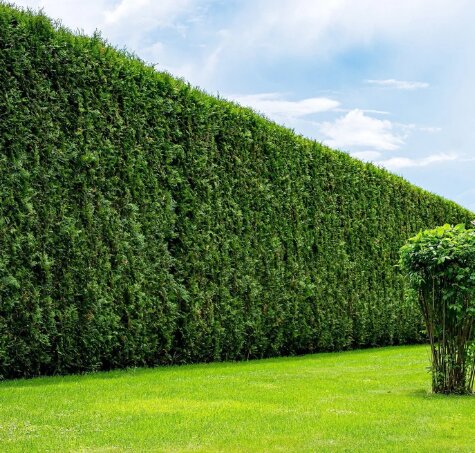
(144, 222)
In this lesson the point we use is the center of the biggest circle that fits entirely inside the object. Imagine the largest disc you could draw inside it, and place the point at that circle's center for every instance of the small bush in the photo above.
(440, 264)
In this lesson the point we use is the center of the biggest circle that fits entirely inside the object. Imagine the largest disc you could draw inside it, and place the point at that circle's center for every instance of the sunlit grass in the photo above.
(376, 399)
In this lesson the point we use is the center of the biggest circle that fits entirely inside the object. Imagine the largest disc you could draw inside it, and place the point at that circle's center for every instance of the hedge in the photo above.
(144, 222)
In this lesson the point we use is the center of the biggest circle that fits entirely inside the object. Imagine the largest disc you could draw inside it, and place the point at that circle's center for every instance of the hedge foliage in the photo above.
(144, 222)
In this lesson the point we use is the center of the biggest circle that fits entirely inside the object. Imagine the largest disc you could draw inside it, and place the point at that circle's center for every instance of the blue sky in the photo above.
(389, 81)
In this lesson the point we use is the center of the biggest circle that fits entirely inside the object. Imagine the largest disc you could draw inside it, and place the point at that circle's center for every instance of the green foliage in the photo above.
(144, 222)
(440, 265)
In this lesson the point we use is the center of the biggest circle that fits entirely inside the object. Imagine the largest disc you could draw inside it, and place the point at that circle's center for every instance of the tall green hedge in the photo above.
(144, 222)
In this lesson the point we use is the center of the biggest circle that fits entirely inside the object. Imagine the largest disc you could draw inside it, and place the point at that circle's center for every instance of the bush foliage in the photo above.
(145, 222)
(440, 265)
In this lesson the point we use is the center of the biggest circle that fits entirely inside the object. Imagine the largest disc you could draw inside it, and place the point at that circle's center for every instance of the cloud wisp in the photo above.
(275, 106)
(398, 84)
(397, 163)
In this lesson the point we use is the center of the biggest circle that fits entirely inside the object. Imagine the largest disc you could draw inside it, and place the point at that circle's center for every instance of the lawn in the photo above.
(367, 400)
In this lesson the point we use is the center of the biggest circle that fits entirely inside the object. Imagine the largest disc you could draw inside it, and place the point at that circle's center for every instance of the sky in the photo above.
(388, 81)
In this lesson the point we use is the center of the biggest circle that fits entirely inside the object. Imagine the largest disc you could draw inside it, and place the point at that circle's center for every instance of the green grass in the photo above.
(376, 399)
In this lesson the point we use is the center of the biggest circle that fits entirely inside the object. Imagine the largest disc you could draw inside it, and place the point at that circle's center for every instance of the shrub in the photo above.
(144, 222)
(440, 265)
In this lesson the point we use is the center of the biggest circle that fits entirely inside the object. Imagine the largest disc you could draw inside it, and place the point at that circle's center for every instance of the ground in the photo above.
(367, 400)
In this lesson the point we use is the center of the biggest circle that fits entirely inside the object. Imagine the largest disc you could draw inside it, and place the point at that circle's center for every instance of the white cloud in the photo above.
(396, 163)
(398, 84)
(86, 15)
(325, 26)
(356, 129)
(276, 107)
(127, 22)
(146, 14)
